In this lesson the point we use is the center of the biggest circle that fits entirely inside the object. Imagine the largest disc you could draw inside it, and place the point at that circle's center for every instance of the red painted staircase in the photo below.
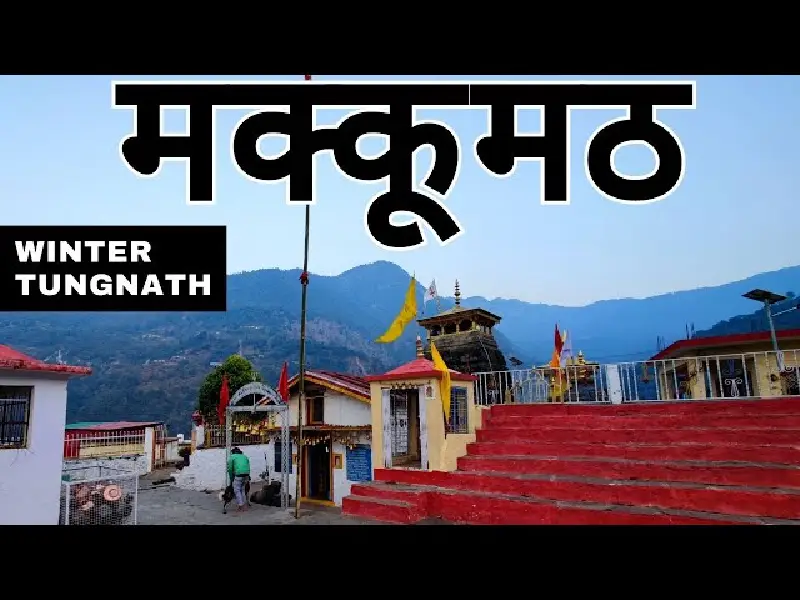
(682, 463)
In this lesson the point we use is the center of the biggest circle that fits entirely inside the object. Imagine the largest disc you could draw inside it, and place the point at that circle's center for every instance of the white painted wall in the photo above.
(339, 410)
(171, 450)
(207, 466)
(30, 479)
(206, 470)
(132, 464)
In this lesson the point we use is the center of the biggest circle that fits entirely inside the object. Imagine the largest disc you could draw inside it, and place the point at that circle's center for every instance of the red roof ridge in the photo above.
(13, 360)
(417, 369)
(353, 383)
(722, 340)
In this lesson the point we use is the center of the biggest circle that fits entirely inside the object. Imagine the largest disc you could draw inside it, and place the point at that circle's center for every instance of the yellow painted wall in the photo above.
(454, 445)
(115, 450)
(443, 451)
(759, 360)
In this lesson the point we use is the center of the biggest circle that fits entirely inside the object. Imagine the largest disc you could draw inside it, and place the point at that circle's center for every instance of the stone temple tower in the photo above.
(464, 338)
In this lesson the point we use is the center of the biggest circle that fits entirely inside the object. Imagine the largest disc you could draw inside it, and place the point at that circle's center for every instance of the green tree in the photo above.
(240, 372)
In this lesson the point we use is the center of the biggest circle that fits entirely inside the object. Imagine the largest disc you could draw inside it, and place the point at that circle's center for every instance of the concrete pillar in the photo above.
(149, 442)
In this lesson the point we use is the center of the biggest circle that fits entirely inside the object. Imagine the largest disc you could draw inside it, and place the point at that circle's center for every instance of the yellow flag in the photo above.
(407, 314)
(444, 386)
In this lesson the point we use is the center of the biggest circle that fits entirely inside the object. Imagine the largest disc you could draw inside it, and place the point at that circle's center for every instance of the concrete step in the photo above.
(415, 496)
(474, 508)
(697, 435)
(480, 508)
(748, 502)
(790, 405)
(707, 473)
(729, 453)
(380, 509)
(777, 421)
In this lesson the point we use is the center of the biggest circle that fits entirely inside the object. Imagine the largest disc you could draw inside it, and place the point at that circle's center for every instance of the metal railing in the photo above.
(712, 377)
(215, 436)
(98, 495)
(107, 445)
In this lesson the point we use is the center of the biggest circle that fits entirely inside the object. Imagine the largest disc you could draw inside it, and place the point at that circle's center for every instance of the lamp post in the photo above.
(298, 489)
(768, 299)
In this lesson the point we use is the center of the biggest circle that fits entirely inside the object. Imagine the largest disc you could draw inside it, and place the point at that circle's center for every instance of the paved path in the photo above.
(170, 505)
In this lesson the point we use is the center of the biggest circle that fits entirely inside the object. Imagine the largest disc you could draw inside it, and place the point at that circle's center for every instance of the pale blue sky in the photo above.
(734, 215)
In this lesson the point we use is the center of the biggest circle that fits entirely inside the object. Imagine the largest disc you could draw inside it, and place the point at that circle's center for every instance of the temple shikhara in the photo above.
(464, 338)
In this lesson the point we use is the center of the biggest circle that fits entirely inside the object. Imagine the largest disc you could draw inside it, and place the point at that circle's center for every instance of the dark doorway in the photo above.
(318, 472)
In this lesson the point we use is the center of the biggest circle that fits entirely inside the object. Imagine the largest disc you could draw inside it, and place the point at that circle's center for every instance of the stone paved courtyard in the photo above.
(170, 505)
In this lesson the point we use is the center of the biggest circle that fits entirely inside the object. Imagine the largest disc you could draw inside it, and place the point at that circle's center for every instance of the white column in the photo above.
(149, 441)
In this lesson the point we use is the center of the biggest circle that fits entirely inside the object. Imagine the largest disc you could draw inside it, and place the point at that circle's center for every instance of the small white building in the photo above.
(337, 431)
(337, 436)
(33, 409)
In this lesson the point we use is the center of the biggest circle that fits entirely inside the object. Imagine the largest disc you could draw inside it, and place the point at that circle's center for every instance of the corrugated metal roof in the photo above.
(110, 425)
(681, 346)
(355, 385)
(83, 424)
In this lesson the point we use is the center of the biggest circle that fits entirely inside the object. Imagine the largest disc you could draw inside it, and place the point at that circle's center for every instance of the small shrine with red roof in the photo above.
(409, 428)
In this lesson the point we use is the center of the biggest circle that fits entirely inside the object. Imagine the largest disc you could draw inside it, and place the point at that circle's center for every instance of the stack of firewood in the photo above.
(99, 504)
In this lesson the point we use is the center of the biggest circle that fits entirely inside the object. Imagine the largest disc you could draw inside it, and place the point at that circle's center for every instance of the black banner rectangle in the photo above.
(112, 268)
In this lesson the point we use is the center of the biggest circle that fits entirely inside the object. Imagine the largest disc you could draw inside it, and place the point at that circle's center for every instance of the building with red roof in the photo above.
(33, 406)
(143, 442)
(724, 366)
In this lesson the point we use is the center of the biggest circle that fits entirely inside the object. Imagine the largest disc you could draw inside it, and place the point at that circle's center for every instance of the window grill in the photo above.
(458, 411)
(278, 449)
(15, 412)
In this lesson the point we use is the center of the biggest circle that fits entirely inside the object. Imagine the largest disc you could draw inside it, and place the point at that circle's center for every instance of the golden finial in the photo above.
(458, 294)
(420, 351)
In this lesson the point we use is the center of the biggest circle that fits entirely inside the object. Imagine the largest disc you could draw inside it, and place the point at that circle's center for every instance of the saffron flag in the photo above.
(444, 385)
(224, 399)
(407, 314)
(283, 383)
(558, 341)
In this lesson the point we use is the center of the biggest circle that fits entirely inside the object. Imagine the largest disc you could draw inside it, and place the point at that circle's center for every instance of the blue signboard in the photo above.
(358, 463)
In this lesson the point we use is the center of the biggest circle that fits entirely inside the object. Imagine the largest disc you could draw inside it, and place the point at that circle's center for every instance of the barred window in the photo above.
(458, 411)
(15, 411)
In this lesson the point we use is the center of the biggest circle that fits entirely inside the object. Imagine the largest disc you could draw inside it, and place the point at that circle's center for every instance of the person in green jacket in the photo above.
(239, 469)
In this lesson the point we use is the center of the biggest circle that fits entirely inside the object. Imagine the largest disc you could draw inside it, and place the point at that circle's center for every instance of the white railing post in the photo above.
(149, 449)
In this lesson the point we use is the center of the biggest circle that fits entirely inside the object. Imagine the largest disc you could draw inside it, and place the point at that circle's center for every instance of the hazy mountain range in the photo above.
(149, 365)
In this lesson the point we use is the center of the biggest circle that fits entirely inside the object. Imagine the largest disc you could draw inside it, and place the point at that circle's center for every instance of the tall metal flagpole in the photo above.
(302, 395)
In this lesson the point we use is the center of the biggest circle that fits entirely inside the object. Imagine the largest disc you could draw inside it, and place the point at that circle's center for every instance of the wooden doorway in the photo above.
(318, 477)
